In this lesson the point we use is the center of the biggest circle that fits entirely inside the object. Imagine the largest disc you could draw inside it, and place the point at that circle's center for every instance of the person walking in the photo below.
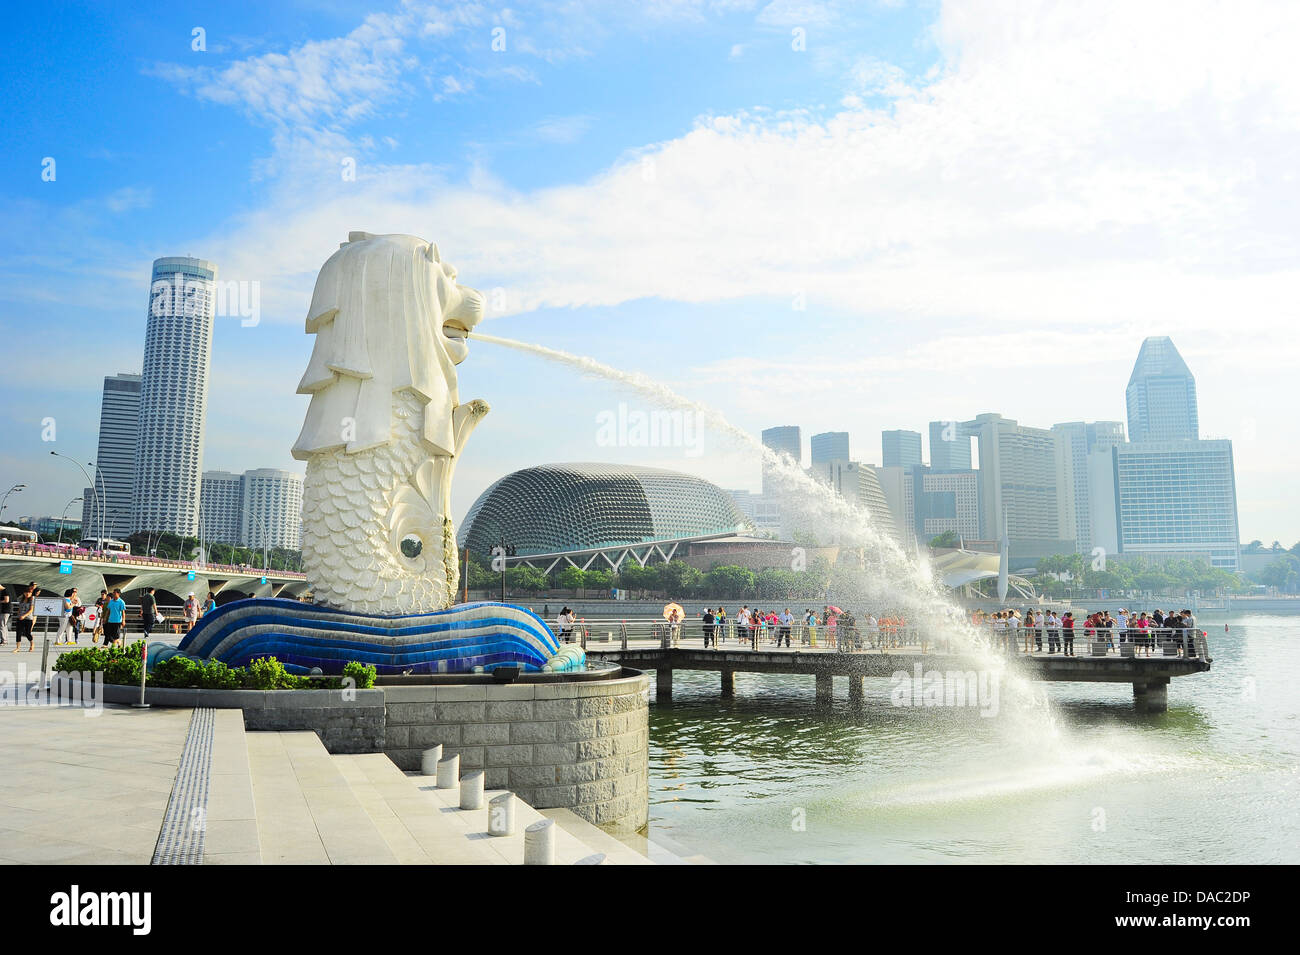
(1067, 634)
(77, 611)
(708, 620)
(100, 603)
(65, 618)
(116, 612)
(565, 622)
(786, 619)
(720, 626)
(26, 618)
(191, 611)
(148, 612)
(6, 606)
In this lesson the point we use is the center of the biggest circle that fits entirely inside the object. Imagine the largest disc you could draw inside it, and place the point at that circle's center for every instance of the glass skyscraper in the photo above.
(174, 396)
(1161, 395)
(783, 440)
(830, 446)
(949, 446)
(900, 449)
(111, 496)
(1178, 498)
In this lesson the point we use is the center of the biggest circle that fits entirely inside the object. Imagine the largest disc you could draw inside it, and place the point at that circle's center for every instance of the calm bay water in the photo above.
(769, 778)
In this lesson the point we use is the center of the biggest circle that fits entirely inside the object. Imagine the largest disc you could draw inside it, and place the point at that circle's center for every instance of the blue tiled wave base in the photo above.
(302, 636)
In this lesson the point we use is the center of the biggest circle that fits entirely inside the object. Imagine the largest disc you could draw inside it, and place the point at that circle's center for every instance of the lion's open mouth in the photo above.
(454, 329)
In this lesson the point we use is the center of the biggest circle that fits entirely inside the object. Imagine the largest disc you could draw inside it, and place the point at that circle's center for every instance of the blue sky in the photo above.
(848, 216)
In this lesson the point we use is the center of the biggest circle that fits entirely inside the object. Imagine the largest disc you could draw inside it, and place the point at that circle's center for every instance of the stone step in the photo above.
(230, 836)
(568, 847)
(307, 813)
(413, 821)
(616, 852)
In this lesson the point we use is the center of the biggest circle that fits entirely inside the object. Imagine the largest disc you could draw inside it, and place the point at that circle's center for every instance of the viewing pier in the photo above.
(652, 645)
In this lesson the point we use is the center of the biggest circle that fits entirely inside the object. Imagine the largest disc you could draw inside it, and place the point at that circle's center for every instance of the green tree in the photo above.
(571, 578)
(728, 580)
(947, 539)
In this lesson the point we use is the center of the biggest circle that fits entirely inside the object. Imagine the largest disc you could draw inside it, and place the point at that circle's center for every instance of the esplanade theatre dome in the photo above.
(565, 507)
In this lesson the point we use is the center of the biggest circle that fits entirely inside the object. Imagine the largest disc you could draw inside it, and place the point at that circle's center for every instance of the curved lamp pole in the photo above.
(94, 494)
(103, 498)
(64, 518)
(266, 537)
(4, 502)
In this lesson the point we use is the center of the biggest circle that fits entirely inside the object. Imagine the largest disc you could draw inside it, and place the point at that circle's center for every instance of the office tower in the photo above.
(900, 449)
(830, 446)
(221, 507)
(783, 440)
(174, 396)
(272, 512)
(1023, 488)
(949, 446)
(1079, 440)
(119, 413)
(942, 501)
(1161, 395)
(1178, 498)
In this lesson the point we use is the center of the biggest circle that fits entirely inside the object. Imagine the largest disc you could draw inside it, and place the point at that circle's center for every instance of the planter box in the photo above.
(1126, 649)
(1098, 649)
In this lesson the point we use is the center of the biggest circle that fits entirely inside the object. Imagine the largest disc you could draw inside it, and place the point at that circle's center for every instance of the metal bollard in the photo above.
(449, 772)
(471, 791)
(429, 760)
(539, 843)
(501, 815)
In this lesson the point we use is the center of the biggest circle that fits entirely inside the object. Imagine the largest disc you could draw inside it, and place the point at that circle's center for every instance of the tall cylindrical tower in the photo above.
(174, 396)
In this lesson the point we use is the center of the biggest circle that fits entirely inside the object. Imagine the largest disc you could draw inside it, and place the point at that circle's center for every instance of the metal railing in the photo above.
(52, 551)
(861, 638)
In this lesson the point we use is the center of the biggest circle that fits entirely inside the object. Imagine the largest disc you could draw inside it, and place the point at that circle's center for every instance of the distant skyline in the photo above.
(847, 216)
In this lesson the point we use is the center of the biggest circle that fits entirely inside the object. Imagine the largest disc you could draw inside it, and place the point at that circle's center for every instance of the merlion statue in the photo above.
(385, 426)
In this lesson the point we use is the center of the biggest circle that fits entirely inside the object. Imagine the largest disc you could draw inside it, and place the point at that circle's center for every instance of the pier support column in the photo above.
(825, 689)
(855, 690)
(663, 684)
(1151, 697)
(728, 684)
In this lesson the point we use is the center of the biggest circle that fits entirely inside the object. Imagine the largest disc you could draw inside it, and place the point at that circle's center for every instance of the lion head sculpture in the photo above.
(387, 315)
(385, 425)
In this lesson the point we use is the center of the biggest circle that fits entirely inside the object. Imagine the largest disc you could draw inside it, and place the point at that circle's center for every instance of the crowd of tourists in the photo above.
(832, 627)
(105, 620)
(1127, 631)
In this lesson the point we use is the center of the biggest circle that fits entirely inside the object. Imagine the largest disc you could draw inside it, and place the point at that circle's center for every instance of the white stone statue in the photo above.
(385, 426)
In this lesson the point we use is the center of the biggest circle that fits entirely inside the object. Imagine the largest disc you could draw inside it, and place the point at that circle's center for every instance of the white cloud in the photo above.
(1073, 177)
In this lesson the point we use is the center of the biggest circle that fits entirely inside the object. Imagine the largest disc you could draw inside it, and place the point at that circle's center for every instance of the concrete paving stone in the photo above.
(230, 835)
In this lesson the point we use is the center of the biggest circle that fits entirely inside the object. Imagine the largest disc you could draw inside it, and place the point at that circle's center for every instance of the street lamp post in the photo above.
(265, 538)
(4, 502)
(64, 518)
(103, 498)
(94, 493)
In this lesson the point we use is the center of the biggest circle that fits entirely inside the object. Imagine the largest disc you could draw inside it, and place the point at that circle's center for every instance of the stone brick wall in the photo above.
(582, 746)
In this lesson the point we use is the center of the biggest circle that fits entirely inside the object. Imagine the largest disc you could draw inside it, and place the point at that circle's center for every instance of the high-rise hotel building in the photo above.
(174, 396)
(254, 509)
